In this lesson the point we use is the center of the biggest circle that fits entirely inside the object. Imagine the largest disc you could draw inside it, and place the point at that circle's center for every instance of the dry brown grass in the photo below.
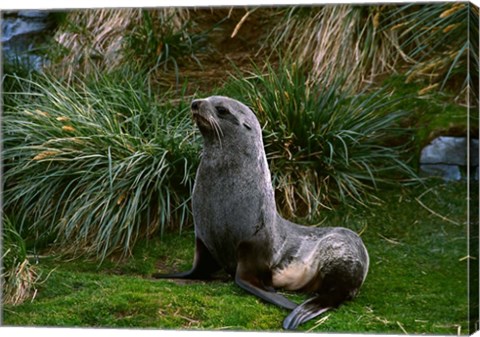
(339, 39)
(19, 283)
(94, 38)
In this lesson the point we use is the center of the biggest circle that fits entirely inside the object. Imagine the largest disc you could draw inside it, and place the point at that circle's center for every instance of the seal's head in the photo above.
(224, 120)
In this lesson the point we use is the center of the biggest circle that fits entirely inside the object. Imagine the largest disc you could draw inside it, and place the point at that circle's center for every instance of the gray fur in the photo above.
(234, 213)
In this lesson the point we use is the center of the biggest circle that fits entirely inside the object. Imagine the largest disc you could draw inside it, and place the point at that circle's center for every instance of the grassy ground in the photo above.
(417, 281)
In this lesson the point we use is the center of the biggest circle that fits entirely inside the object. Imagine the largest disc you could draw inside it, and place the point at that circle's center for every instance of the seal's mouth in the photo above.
(206, 122)
(199, 117)
(201, 120)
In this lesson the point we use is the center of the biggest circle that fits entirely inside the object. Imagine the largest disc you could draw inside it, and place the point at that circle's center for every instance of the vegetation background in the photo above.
(100, 153)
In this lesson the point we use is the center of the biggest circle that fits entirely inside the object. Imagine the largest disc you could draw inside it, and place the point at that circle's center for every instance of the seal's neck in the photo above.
(248, 165)
(242, 164)
(228, 152)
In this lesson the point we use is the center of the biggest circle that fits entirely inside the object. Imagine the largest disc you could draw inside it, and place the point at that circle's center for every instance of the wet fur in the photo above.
(238, 229)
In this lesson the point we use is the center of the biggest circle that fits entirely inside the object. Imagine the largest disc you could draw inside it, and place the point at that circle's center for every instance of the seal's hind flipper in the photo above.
(204, 265)
(304, 312)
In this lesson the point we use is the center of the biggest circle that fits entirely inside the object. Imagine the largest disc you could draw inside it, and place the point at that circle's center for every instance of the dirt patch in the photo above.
(237, 41)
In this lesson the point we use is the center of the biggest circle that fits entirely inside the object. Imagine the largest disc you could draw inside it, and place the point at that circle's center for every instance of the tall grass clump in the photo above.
(325, 145)
(337, 40)
(427, 41)
(90, 40)
(434, 37)
(18, 277)
(93, 167)
(93, 40)
(160, 39)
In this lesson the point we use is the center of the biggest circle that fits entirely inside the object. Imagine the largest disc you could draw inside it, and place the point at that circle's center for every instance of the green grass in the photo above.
(431, 113)
(417, 280)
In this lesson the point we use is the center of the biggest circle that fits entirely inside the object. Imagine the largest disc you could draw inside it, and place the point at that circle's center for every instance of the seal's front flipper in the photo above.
(274, 298)
(304, 312)
(204, 265)
(253, 275)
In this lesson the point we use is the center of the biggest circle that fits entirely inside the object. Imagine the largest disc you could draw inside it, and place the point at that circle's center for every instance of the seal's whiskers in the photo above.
(216, 127)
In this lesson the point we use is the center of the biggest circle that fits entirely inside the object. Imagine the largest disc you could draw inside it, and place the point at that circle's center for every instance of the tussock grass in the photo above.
(337, 40)
(91, 39)
(428, 41)
(161, 38)
(103, 162)
(100, 40)
(325, 145)
(435, 39)
(91, 168)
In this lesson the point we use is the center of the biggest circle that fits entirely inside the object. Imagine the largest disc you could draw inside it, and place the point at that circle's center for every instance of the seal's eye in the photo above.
(221, 110)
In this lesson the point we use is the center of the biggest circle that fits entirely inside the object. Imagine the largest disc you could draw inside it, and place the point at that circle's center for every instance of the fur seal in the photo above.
(238, 229)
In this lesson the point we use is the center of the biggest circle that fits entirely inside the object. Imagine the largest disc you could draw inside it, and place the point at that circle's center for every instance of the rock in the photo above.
(445, 156)
(12, 27)
(22, 34)
(33, 14)
(447, 172)
(445, 150)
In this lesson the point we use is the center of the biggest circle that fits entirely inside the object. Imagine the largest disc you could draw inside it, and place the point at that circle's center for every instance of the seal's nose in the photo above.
(195, 104)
